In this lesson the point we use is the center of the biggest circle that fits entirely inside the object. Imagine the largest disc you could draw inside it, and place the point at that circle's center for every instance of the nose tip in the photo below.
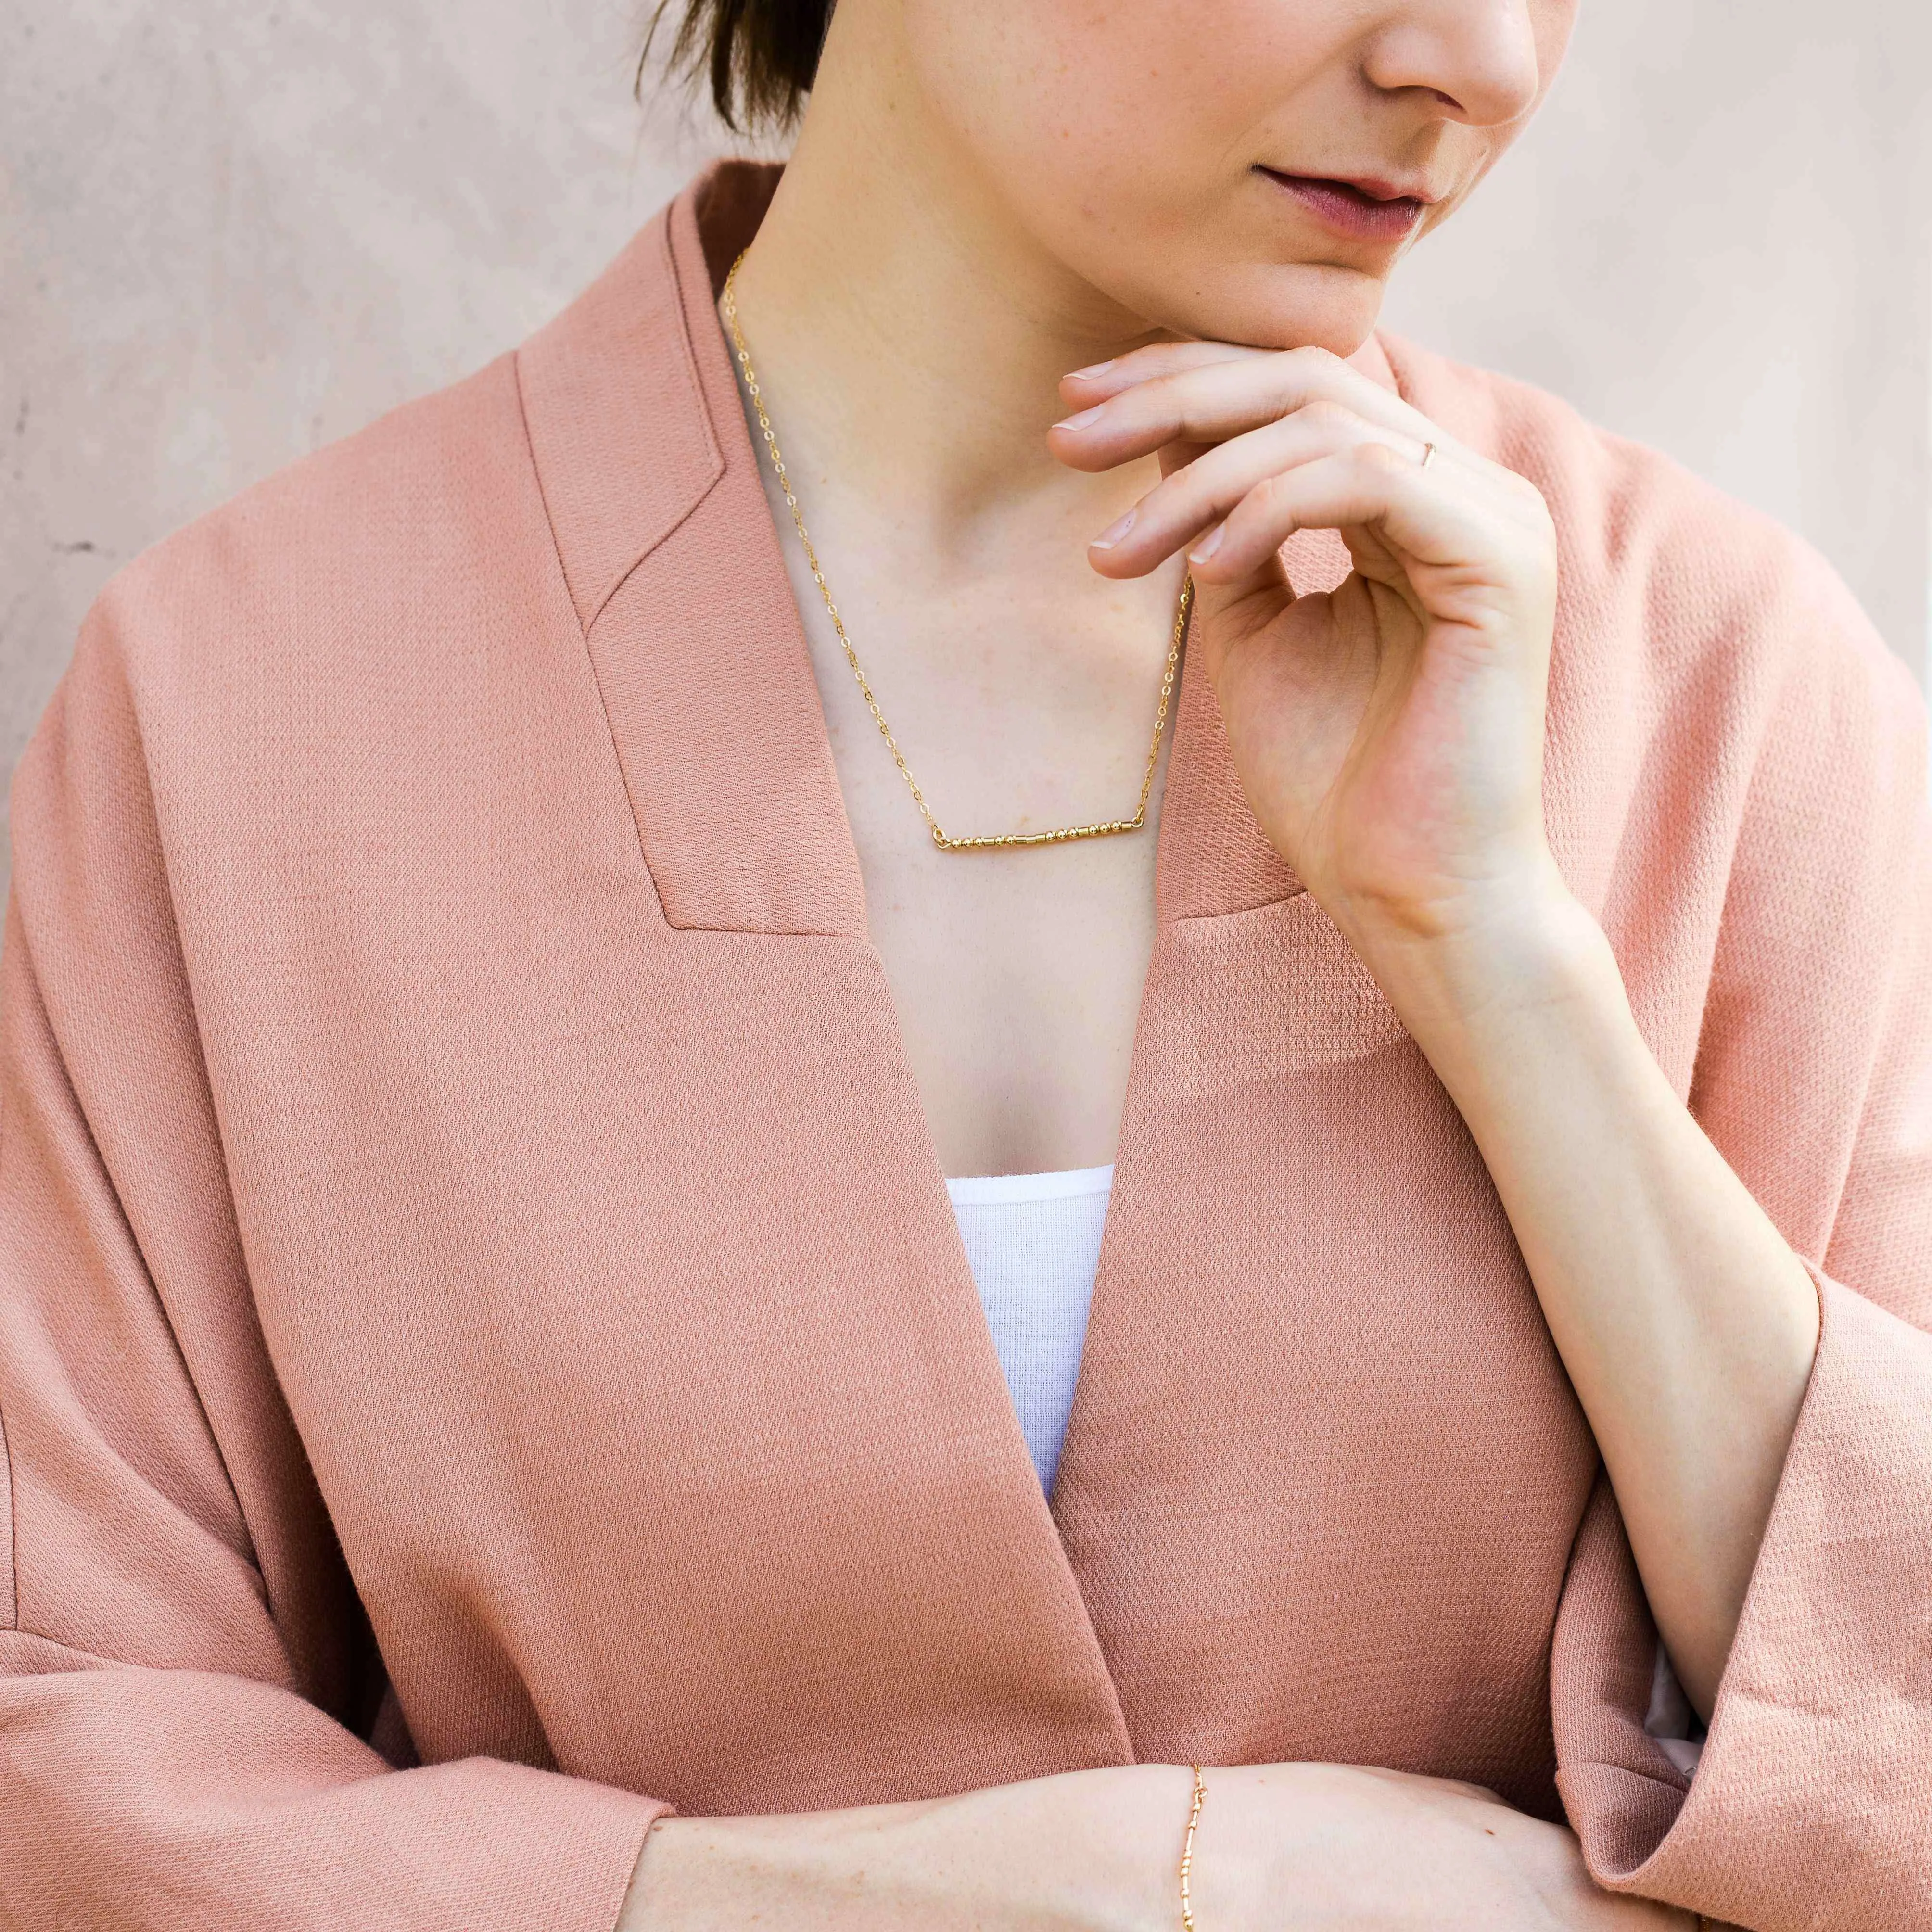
(1478, 59)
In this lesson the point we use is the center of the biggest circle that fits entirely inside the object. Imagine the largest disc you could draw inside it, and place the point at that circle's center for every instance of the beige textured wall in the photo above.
(1718, 239)
(228, 234)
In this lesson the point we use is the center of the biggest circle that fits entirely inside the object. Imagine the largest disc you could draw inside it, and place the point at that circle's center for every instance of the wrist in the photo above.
(856, 1869)
(1518, 945)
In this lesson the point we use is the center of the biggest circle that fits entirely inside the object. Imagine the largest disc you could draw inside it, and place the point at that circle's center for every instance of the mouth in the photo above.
(1364, 211)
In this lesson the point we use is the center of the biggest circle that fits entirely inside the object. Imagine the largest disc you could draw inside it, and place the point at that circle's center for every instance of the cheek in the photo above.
(1090, 116)
(1121, 139)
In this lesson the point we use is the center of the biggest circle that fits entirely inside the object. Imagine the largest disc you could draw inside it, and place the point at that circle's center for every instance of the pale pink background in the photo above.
(229, 233)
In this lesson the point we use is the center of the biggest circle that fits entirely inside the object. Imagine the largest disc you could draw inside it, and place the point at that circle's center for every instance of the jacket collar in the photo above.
(652, 488)
(620, 427)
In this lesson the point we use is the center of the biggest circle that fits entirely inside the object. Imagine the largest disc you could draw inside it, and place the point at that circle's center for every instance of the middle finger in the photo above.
(1181, 506)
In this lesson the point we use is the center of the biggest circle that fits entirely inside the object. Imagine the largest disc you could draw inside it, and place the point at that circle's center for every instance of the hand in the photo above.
(1388, 736)
(1337, 1848)
(1319, 1848)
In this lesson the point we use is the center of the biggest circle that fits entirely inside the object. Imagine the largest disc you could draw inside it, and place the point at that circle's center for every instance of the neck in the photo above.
(911, 334)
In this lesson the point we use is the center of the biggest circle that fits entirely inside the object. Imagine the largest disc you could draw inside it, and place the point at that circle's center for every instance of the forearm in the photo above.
(1326, 1847)
(1686, 1323)
(1085, 1851)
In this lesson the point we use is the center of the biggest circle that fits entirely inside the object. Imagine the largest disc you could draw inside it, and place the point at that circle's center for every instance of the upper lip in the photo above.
(1374, 187)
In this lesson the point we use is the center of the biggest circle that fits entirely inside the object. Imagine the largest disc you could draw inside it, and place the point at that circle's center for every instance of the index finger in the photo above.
(1209, 398)
(1083, 387)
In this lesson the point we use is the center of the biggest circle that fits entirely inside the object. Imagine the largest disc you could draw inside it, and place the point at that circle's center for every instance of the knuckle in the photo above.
(1183, 499)
(1208, 482)
(1271, 495)
(1155, 400)
(1325, 413)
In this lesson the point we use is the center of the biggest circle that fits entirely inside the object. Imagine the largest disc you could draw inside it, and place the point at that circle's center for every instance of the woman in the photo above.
(501, 1430)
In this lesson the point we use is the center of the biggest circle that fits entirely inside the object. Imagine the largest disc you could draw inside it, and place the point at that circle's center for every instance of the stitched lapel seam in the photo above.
(618, 467)
(701, 411)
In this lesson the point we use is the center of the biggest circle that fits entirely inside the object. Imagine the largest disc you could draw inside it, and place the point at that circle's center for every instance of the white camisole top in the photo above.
(1034, 1243)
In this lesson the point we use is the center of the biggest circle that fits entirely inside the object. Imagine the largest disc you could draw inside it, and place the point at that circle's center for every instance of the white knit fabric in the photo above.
(1034, 1243)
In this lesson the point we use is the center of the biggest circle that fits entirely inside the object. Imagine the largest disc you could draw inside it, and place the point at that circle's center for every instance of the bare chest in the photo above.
(1017, 973)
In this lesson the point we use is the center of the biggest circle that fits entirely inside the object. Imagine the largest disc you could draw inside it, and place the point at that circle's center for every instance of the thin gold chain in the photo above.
(1104, 828)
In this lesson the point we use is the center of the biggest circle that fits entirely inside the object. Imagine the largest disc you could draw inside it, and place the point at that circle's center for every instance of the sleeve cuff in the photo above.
(1811, 1809)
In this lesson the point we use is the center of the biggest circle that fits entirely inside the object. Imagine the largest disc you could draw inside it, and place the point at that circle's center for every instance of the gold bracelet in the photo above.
(1187, 1851)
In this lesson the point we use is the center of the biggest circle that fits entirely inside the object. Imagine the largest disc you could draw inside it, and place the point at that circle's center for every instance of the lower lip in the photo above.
(1348, 211)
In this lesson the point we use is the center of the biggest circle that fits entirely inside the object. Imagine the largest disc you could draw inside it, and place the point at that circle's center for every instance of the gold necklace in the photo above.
(1104, 828)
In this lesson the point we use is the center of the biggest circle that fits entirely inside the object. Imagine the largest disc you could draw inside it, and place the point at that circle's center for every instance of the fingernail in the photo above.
(1094, 369)
(1113, 533)
(1204, 551)
(1082, 419)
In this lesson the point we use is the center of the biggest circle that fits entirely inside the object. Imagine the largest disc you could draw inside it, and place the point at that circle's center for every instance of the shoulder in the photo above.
(1686, 615)
(1634, 523)
(469, 524)
(537, 483)
(329, 552)
(255, 637)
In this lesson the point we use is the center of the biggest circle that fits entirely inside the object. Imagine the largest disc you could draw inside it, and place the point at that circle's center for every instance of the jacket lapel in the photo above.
(675, 569)
(803, 1188)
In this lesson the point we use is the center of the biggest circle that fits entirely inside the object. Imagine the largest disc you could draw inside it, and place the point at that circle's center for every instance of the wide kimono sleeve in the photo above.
(1811, 1807)
(187, 1683)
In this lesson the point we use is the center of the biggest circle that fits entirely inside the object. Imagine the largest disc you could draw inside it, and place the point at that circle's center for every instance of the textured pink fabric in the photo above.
(474, 1274)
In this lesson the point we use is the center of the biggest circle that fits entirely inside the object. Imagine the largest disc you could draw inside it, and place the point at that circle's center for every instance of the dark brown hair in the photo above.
(760, 56)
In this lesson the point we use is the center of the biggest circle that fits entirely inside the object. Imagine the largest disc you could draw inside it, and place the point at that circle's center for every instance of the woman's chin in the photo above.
(1317, 307)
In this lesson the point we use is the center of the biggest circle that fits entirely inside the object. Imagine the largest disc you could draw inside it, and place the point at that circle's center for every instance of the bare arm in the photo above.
(1687, 1323)
(1322, 1847)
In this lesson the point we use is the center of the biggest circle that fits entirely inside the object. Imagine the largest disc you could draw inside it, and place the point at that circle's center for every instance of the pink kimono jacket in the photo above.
(485, 1355)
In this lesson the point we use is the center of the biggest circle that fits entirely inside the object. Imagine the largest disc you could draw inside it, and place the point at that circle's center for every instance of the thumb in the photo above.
(1224, 614)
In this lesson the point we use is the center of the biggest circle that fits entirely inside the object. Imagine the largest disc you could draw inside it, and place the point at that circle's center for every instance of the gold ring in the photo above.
(1428, 455)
